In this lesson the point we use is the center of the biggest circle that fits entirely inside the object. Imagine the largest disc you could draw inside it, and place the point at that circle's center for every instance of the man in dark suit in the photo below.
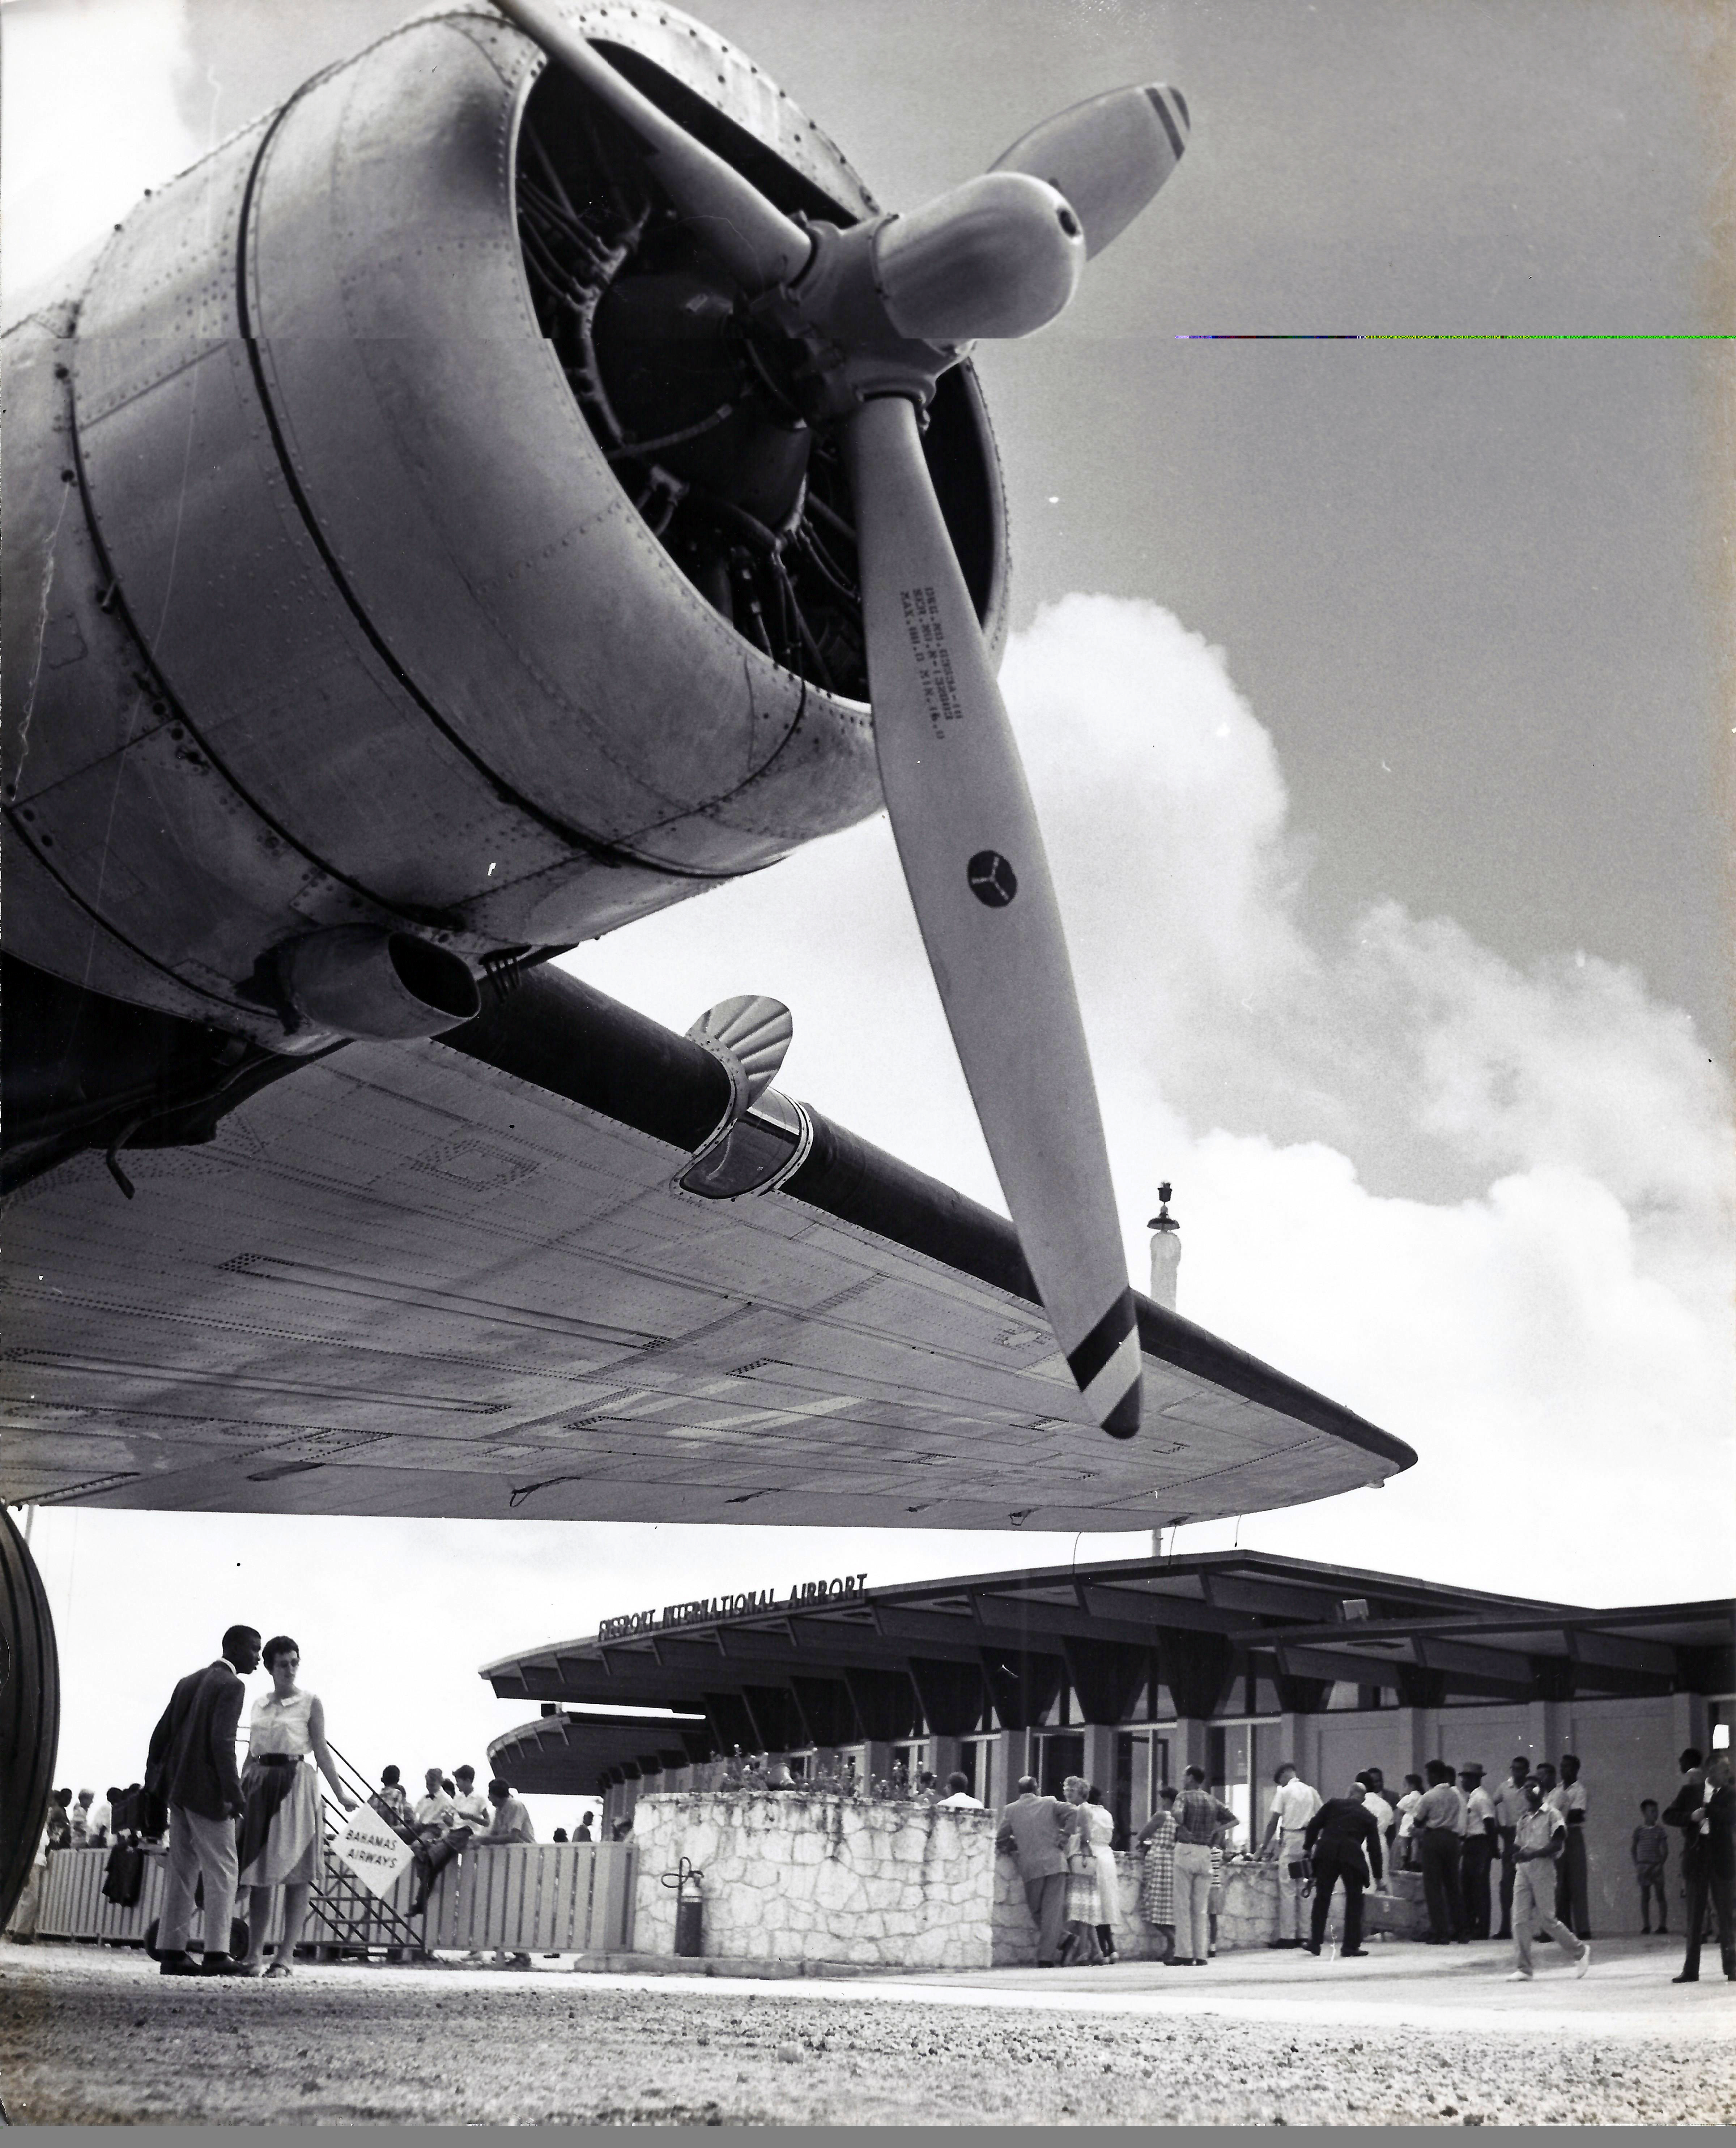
(1343, 1842)
(1036, 1832)
(192, 1769)
(1704, 1808)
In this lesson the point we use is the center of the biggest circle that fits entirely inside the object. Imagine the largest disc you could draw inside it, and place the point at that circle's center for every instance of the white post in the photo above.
(1165, 1250)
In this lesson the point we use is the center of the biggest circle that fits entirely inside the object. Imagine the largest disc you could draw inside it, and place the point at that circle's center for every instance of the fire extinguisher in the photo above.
(690, 1908)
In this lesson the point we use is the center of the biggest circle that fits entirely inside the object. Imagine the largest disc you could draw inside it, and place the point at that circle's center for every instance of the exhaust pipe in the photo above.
(364, 982)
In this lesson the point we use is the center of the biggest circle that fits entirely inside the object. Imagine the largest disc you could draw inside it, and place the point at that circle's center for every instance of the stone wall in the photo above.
(798, 1877)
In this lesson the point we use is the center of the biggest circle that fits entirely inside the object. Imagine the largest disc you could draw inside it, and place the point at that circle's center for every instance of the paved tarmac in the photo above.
(1408, 2036)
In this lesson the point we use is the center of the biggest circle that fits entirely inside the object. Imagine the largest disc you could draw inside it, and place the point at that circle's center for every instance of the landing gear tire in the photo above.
(29, 1712)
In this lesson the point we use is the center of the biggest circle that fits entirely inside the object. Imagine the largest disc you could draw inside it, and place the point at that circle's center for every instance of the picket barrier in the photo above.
(527, 1897)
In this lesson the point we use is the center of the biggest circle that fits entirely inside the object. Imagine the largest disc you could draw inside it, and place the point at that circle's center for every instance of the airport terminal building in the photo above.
(1127, 1671)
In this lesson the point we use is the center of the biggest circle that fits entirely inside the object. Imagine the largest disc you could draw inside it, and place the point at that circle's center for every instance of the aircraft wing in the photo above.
(463, 1277)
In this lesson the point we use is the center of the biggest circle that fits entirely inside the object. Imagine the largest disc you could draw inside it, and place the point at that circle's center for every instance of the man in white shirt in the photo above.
(1571, 1905)
(1539, 1839)
(1374, 1798)
(1438, 1824)
(436, 1819)
(958, 1797)
(1293, 1805)
(1476, 1849)
(474, 1814)
(511, 1824)
(472, 1807)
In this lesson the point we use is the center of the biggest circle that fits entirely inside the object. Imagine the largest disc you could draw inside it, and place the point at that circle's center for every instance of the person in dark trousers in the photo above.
(1435, 1825)
(191, 1766)
(1509, 1809)
(1704, 1808)
(1572, 1901)
(1336, 1841)
(1476, 1850)
(1036, 1833)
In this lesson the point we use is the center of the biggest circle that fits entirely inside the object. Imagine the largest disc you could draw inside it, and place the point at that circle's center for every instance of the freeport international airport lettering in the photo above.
(728, 1607)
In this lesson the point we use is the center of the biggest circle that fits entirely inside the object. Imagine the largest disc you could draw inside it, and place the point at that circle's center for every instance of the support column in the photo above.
(876, 1761)
(1015, 1756)
(1688, 1724)
(1193, 1737)
(1301, 1747)
(943, 1757)
(1421, 1732)
(1099, 1764)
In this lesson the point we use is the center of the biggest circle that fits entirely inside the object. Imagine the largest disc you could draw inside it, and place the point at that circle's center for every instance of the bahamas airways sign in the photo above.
(804, 1596)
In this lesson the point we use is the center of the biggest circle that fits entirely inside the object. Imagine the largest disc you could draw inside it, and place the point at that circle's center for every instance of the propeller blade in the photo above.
(753, 238)
(973, 858)
(999, 256)
(1108, 155)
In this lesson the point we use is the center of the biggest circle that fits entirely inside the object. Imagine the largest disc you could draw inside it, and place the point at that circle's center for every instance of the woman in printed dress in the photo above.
(1084, 1909)
(282, 1840)
(1157, 1890)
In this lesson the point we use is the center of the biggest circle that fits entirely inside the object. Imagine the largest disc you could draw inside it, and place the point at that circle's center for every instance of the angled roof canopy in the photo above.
(830, 1670)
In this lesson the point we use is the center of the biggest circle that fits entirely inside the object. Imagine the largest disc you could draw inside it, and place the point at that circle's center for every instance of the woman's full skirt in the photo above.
(1082, 1904)
(293, 1853)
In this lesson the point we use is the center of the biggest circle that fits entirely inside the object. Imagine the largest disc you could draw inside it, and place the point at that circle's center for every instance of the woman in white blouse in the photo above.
(282, 1840)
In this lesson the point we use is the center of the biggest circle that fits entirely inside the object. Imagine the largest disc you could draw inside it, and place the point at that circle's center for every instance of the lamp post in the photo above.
(1166, 1250)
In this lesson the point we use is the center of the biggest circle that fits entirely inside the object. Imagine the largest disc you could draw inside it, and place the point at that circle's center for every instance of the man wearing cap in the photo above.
(1477, 1849)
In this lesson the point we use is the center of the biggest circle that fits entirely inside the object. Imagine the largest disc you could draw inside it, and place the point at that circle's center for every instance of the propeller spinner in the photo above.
(879, 311)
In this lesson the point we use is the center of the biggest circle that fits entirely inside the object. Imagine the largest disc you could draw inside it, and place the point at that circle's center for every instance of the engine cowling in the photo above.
(333, 604)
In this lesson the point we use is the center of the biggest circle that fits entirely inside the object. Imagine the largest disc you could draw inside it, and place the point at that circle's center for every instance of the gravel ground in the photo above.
(88, 2038)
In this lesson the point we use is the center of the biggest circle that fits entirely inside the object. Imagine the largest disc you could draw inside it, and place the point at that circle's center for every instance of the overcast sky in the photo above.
(1373, 701)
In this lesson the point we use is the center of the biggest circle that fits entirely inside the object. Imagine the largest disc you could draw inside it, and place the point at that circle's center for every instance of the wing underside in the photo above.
(460, 1279)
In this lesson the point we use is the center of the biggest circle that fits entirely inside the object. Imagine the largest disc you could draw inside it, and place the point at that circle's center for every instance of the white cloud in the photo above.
(1489, 1208)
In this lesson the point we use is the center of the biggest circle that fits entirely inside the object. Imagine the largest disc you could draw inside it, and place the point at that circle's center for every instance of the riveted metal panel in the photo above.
(454, 477)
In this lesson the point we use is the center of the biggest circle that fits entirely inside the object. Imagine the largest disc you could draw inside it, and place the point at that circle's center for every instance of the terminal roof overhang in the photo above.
(831, 1667)
(564, 1753)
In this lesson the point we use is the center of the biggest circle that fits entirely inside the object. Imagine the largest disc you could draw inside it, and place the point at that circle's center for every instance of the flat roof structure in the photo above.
(1217, 1635)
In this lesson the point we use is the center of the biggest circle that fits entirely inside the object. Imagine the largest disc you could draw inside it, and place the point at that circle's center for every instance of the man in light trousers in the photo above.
(1198, 1816)
(191, 1768)
(1293, 1805)
(1538, 1842)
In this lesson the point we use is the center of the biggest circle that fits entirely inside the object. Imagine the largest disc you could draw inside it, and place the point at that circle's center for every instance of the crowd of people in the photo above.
(257, 1831)
(1443, 1824)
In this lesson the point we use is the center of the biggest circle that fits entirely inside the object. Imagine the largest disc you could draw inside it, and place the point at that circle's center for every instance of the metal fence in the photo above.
(527, 1897)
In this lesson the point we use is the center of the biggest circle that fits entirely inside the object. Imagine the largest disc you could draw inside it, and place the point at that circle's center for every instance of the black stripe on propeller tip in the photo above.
(1093, 1358)
(1168, 117)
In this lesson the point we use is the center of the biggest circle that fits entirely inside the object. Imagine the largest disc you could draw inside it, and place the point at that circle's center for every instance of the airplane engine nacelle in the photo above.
(398, 540)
